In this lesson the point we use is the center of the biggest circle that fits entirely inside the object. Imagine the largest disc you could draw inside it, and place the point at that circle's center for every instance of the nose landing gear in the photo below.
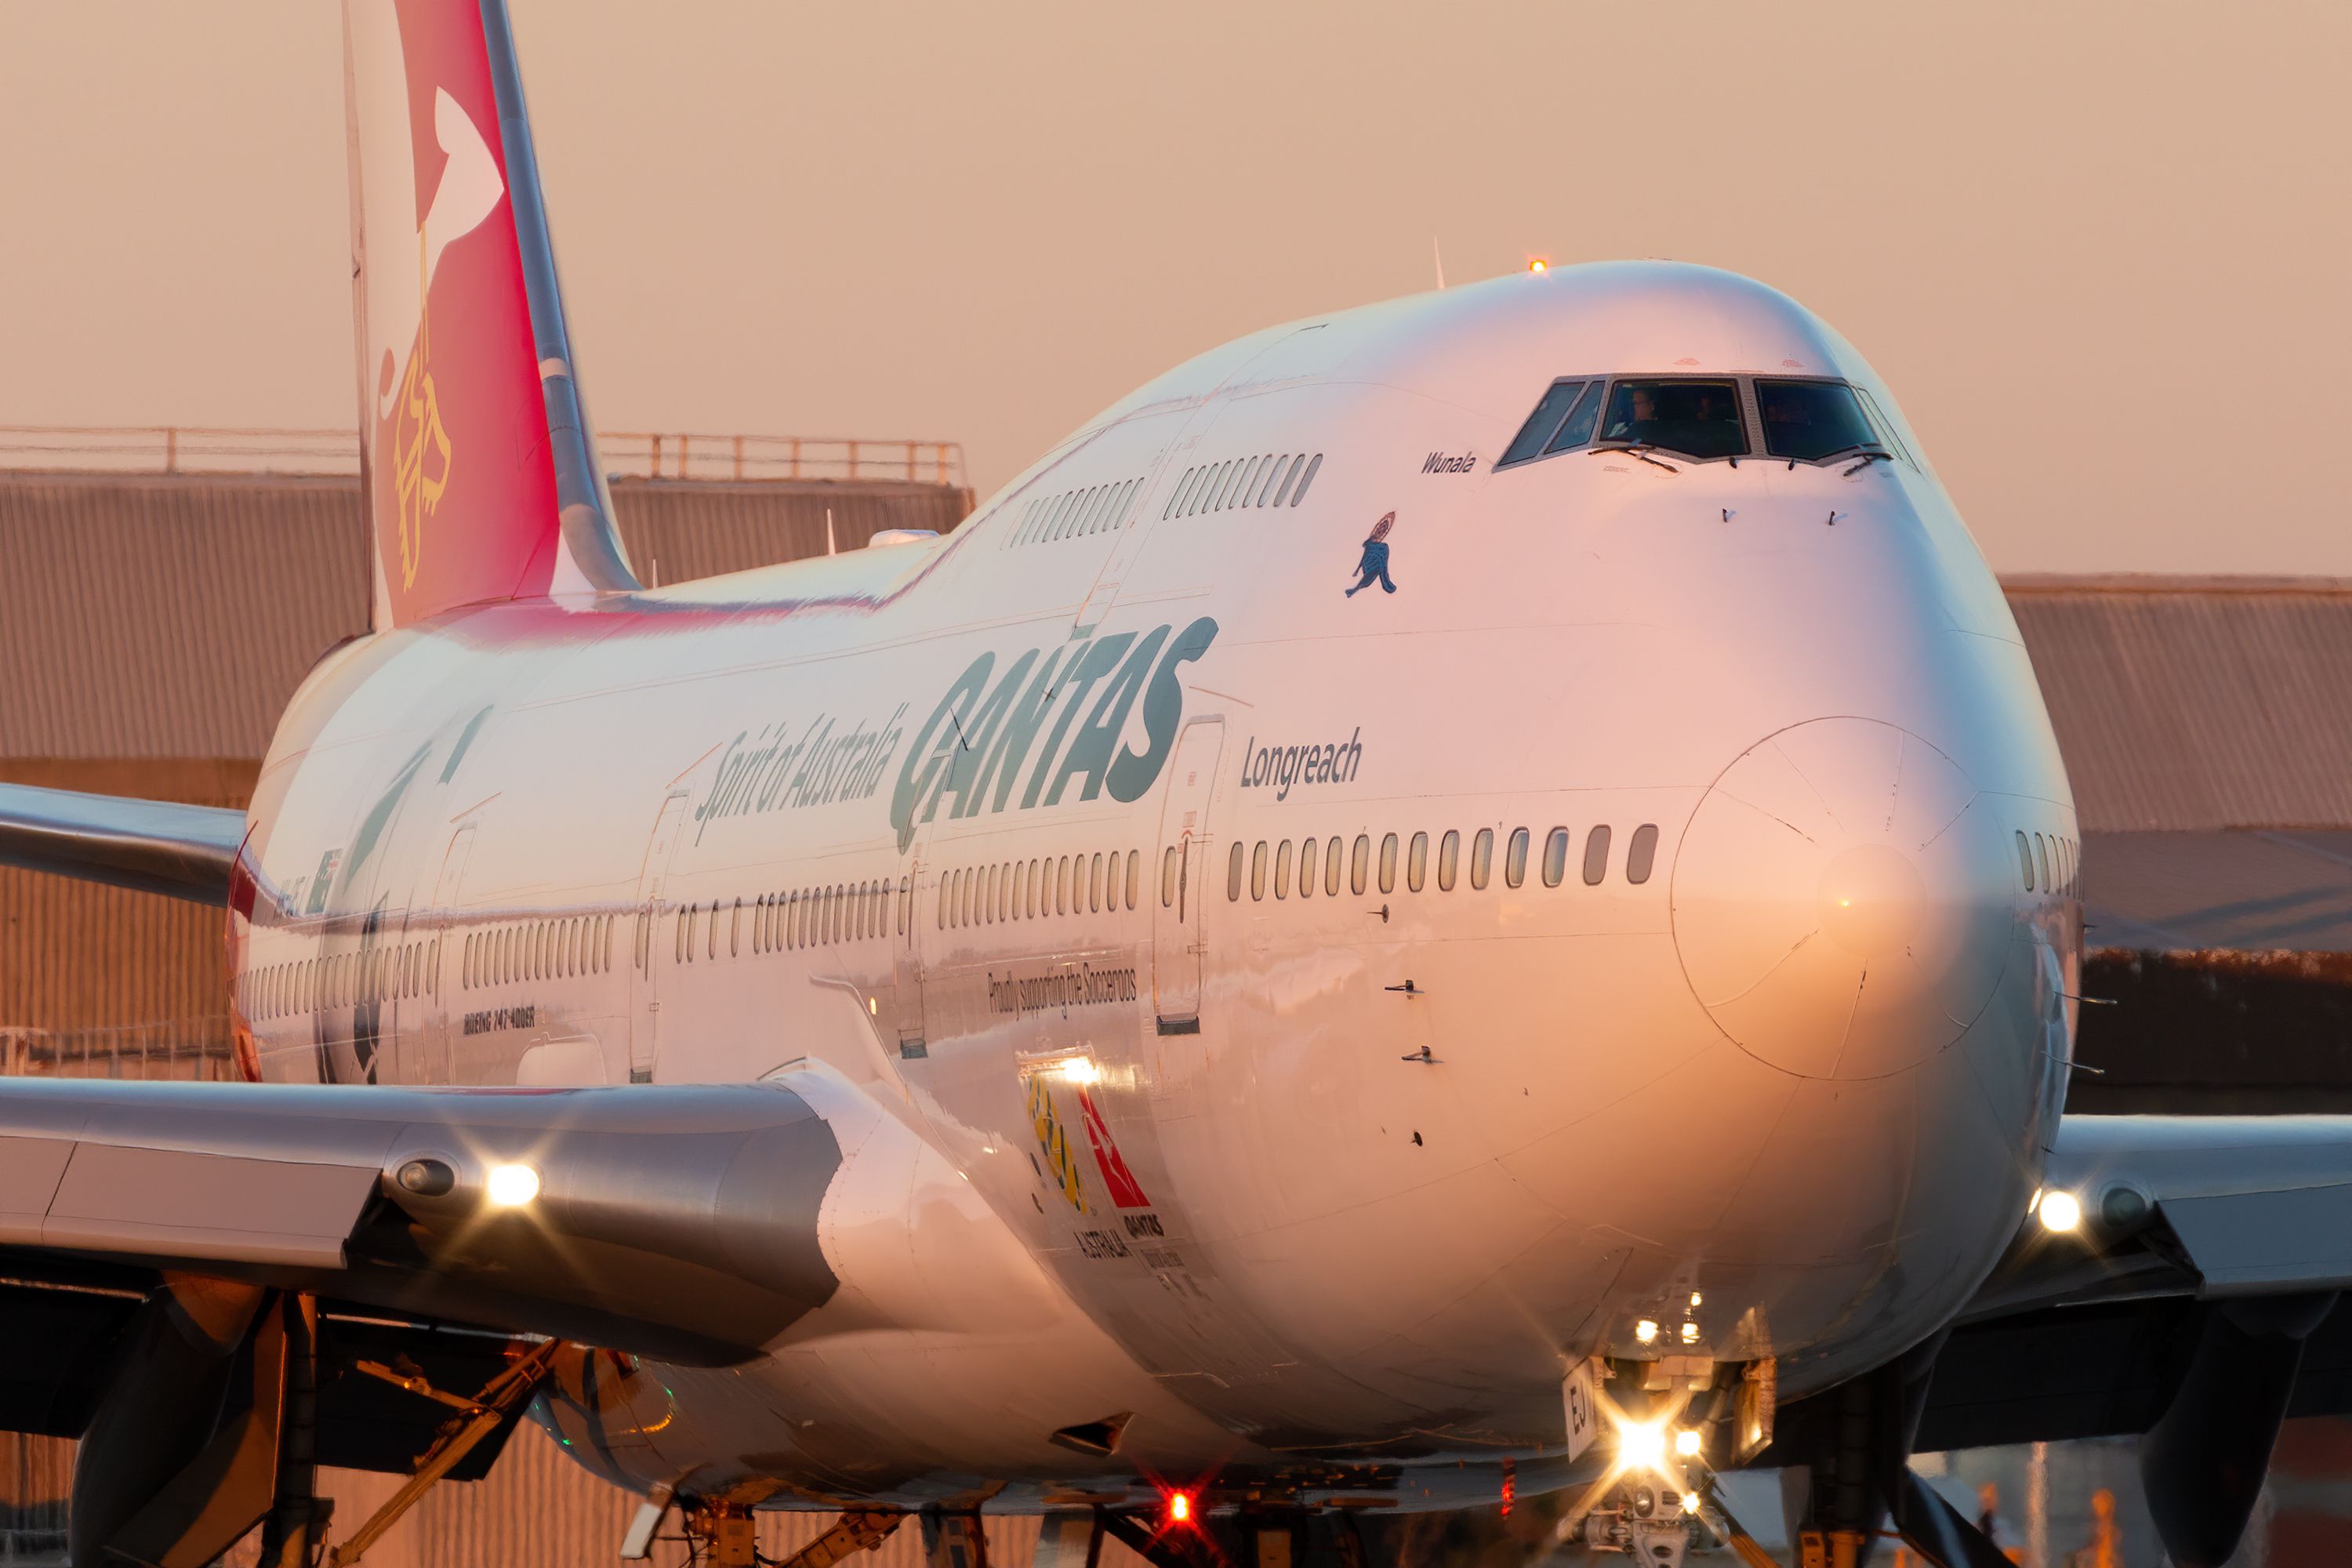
(1648, 1522)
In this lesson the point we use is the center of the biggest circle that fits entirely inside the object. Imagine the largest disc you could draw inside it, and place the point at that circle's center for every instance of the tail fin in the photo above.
(476, 458)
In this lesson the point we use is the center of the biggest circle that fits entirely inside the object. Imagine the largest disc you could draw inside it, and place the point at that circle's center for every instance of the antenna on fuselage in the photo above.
(830, 548)
(1439, 257)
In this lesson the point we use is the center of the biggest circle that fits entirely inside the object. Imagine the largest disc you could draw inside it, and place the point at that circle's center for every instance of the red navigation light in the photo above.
(1180, 1508)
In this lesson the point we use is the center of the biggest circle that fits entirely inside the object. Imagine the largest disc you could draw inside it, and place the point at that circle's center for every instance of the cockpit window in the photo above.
(1696, 418)
(1535, 436)
(1806, 421)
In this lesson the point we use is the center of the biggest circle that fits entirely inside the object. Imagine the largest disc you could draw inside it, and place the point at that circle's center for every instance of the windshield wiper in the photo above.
(1868, 456)
(1640, 449)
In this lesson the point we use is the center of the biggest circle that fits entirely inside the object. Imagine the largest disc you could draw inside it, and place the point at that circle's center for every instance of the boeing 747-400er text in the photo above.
(1466, 898)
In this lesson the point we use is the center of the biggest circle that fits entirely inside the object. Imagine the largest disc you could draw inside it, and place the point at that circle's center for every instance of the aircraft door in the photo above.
(1185, 872)
(644, 995)
(436, 1042)
(907, 963)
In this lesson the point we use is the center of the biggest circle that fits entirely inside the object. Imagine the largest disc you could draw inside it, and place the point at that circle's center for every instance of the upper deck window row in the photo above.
(1703, 418)
(1072, 514)
(1269, 478)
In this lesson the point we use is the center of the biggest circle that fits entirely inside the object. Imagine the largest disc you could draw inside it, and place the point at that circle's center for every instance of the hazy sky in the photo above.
(2102, 252)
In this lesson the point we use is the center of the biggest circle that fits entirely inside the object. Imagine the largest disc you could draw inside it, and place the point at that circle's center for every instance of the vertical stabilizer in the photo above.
(478, 460)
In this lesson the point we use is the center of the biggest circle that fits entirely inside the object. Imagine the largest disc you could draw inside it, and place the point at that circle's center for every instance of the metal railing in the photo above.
(195, 1050)
(663, 454)
(687, 455)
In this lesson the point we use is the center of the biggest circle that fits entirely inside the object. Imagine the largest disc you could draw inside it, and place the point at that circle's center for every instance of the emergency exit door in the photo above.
(1184, 873)
(645, 971)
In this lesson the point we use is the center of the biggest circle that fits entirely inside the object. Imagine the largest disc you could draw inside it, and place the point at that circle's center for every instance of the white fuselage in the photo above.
(1300, 1178)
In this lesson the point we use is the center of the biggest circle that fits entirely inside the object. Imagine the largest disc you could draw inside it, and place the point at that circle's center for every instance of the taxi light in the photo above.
(1690, 1502)
(511, 1186)
(1180, 1508)
(1080, 1070)
(1687, 1442)
(1645, 1330)
(2060, 1210)
(1690, 1333)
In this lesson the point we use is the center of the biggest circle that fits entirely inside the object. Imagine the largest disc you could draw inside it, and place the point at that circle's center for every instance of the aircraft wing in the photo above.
(153, 845)
(677, 1221)
(2209, 1248)
(166, 1250)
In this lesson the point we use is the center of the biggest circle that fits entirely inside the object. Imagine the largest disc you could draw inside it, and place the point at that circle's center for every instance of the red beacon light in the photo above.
(1180, 1508)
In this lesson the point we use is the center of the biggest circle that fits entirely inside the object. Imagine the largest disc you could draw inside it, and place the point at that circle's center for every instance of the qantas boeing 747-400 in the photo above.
(1467, 896)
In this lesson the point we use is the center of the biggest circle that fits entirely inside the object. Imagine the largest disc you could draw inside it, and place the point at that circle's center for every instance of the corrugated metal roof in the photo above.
(701, 528)
(173, 615)
(2197, 703)
(2253, 892)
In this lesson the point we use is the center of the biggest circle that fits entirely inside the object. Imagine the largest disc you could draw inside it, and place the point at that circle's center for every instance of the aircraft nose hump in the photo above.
(1842, 899)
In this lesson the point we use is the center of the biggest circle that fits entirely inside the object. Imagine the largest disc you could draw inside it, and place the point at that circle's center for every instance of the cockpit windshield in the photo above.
(1805, 421)
(1696, 418)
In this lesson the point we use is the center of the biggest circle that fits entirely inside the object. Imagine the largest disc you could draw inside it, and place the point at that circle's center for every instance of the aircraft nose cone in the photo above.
(1842, 899)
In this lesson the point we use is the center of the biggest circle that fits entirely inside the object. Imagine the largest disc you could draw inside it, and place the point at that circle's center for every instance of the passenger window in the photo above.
(1289, 475)
(1807, 421)
(1306, 480)
(1360, 869)
(1596, 855)
(735, 930)
(1095, 884)
(1642, 853)
(1551, 412)
(1388, 863)
(1266, 485)
(2042, 861)
(1249, 477)
(1416, 862)
(1282, 871)
(1482, 859)
(1257, 870)
(1232, 876)
(1207, 499)
(1699, 419)
(1134, 859)
(1331, 866)
(1307, 867)
(1449, 853)
(1515, 858)
(1555, 861)
(2025, 859)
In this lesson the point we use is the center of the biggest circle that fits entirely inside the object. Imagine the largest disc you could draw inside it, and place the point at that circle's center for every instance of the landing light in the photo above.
(1537, 264)
(1690, 1502)
(1645, 1330)
(511, 1186)
(1642, 1445)
(1687, 1442)
(2060, 1210)
(1081, 1070)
